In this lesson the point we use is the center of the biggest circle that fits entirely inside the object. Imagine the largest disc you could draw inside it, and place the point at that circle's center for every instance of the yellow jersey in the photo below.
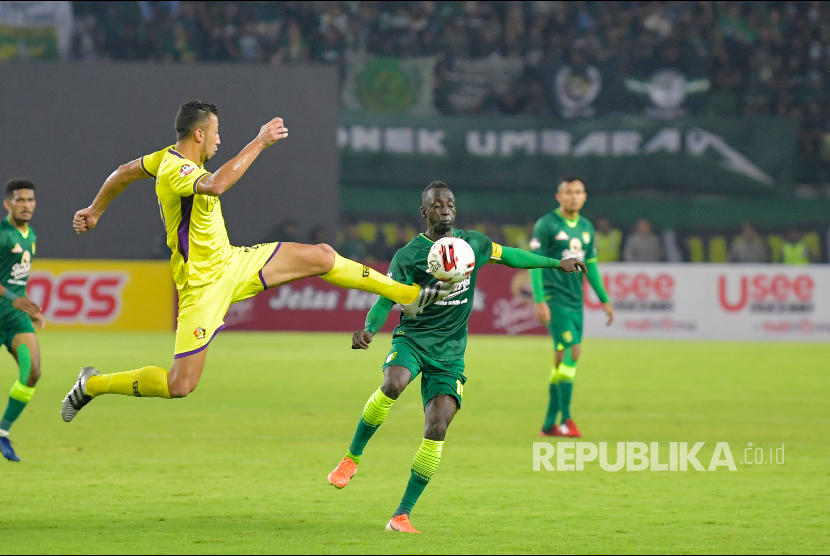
(195, 227)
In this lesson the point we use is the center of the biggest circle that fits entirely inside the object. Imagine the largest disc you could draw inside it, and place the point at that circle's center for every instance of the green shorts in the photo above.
(12, 324)
(436, 377)
(565, 326)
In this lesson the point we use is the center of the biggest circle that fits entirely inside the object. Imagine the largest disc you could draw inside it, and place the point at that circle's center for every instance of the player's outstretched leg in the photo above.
(77, 396)
(298, 260)
(427, 296)
(146, 382)
(6, 447)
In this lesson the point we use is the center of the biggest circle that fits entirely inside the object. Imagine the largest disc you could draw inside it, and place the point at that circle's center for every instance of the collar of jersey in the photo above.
(429, 240)
(25, 235)
(174, 151)
(570, 223)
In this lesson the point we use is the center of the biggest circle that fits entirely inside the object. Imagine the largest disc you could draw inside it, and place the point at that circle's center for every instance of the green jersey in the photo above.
(441, 329)
(555, 236)
(16, 252)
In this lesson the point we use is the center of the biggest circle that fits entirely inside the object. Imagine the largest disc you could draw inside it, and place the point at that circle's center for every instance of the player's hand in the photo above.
(85, 220)
(609, 312)
(272, 132)
(30, 308)
(361, 339)
(542, 313)
(572, 265)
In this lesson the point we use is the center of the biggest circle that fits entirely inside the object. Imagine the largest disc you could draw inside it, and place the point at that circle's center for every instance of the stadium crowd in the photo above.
(749, 58)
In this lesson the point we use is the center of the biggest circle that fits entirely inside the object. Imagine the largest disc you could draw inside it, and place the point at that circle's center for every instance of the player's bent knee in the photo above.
(34, 375)
(392, 389)
(323, 258)
(180, 388)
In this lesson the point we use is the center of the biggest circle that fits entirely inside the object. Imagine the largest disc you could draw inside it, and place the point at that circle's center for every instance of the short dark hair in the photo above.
(436, 184)
(18, 183)
(191, 114)
(569, 179)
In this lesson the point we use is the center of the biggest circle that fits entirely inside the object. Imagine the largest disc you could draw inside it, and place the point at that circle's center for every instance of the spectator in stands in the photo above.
(608, 241)
(286, 230)
(642, 245)
(319, 234)
(353, 245)
(748, 246)
(794, 250)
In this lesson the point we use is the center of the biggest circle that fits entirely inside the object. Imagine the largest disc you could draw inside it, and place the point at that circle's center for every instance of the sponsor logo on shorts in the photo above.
(391, 356)
(365, 271)
(135, 389)
(200, 333)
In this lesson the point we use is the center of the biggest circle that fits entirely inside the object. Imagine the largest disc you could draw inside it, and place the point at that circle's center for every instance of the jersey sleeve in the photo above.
(184, 176)
(482, 246)
(150, 162)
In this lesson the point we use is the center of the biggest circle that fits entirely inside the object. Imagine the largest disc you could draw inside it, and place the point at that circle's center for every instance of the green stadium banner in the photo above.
(388, 85)
(614, 154)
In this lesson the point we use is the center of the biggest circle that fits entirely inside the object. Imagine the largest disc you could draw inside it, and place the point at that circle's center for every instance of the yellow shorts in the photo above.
(202, 309)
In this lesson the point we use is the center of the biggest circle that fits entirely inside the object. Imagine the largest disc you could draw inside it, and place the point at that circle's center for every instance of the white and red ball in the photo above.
(451, 259)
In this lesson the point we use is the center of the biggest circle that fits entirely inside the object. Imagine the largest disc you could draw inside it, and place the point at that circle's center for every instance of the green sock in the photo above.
(565, 378)
(424, 466)
(374, 413)
(553, 402)
(19, 396)
(564, 391)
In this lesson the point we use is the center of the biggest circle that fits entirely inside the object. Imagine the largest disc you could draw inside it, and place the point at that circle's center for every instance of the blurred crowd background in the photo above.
(566, 61)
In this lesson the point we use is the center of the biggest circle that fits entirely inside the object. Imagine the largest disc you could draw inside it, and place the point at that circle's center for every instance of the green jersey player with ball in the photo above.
(430, 344)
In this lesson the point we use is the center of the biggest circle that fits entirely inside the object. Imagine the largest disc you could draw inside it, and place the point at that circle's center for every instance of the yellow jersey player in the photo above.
(210, 274)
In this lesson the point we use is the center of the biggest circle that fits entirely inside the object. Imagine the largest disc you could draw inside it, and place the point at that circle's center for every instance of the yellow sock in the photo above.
(143, 382)
(350, 274)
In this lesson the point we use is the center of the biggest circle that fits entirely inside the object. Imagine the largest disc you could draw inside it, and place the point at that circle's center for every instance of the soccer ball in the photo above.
(451, 259)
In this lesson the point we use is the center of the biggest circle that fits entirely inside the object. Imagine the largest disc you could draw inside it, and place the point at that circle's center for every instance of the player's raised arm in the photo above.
(519, 258)
(87, 218)
(230, 172)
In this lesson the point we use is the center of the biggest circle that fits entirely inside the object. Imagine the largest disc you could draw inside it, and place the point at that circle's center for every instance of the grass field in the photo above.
(240, 465)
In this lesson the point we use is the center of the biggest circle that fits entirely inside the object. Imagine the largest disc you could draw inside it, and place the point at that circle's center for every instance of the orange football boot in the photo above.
(343, 473)
(401, 523)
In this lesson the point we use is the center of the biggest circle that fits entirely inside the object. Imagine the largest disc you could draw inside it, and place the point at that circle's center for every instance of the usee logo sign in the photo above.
(637, 291)
(72, 297)
(766, 293)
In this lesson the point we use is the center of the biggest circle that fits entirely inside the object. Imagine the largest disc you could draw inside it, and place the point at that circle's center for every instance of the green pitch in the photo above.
(240, 465)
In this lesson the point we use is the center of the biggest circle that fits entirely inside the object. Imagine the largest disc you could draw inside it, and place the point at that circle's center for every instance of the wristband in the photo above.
(10, 295)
